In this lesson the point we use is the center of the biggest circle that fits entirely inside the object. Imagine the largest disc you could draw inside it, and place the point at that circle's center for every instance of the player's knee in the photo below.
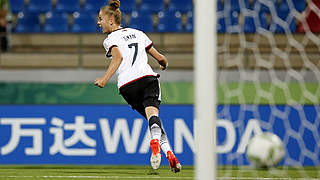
(154, 120)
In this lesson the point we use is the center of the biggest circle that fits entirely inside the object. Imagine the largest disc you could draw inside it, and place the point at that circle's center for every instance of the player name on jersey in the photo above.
(131, 36)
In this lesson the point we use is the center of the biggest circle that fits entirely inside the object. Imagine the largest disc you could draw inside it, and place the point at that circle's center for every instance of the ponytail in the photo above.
(113, 10)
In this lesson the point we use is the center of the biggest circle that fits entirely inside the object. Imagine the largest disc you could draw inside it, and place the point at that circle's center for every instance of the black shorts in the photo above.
(142, 93)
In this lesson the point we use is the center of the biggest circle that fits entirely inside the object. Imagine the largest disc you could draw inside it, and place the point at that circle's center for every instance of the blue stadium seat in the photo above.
(39, 6)
(221, 25)
(275, 24)
(248, 25)
(232, 22)
(28, 23)
(263, 20)
(141, 20)
(128, 6)
(219, 5)
(300, 5)
(84, 23)
(94, 5)
(276, 28)
(16, 6)
(263, 6)
(68, 6)
(249, 5)
(169, 21)
(232, 5)
(152, 5)
(183, 6)
(56, 23)
(283, 7)
(283, 14)
(290, 20)
(189, 25)
(123, 23)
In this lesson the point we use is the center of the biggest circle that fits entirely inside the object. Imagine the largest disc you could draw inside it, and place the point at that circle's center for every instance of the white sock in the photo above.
(165, 146)
(155, 132)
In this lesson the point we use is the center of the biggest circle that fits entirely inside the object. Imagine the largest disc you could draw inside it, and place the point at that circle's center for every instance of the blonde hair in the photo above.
(113, 10)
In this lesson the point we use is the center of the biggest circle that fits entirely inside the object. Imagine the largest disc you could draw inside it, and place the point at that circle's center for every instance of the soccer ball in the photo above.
(265, 150)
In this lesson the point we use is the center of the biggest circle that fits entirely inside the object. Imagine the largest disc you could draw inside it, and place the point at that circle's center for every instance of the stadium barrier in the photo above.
(86, 51)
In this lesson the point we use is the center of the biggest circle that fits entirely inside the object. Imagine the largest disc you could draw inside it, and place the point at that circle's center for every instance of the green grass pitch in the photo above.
(60, 172)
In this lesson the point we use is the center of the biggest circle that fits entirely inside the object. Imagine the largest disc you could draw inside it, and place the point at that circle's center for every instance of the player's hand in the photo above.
(163, 67)
(100, 82)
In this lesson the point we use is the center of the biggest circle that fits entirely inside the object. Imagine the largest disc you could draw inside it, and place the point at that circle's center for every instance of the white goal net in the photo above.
(268, 81)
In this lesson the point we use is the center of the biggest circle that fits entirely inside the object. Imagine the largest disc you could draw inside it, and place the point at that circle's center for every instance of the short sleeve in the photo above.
(147, 42)
(108, 44)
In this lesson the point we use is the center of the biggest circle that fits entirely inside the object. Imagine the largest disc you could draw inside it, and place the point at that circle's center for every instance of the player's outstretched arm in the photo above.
(113, 67)
(162, 60)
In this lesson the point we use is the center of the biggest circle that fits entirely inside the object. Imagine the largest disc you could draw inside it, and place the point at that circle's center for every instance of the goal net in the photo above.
(268, 81)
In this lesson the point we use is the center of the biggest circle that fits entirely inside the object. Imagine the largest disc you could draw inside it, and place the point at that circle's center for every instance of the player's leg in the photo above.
(156, 128)
(151, 103)
(155, 131)
(166, 148)
(159, 139)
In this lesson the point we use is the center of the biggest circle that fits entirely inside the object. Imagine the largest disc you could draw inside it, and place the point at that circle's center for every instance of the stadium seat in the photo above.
(283, 7)
(123, 22)
(39, 6)
(16, 6)
(189, 25)
(183, 6)
(56, 23)
(263, 20)
(283, 14)
(232, 22)
(299, 5)
(94, 5)
(28, 23)
(152, 5)
(68, 6)
(141, 20)
(84, 23)
(221, 25)
(232, 5)
(128, 6)
(169, 21)
(219, 5)
(248, 4)
(248, 25)
(278, 28)
(263, 6)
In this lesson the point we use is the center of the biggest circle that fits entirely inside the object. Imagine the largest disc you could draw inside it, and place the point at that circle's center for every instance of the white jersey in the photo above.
(133, 45)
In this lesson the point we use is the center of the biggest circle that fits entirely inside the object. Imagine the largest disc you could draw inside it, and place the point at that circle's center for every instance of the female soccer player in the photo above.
(137, 82)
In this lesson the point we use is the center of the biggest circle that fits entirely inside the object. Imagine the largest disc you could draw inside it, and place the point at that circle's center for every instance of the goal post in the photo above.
(205, 88)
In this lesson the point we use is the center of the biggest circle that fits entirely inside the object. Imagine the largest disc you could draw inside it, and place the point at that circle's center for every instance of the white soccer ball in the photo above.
(265, 150)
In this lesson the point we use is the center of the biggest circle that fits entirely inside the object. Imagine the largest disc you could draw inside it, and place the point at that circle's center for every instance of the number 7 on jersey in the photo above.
(135, 45)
